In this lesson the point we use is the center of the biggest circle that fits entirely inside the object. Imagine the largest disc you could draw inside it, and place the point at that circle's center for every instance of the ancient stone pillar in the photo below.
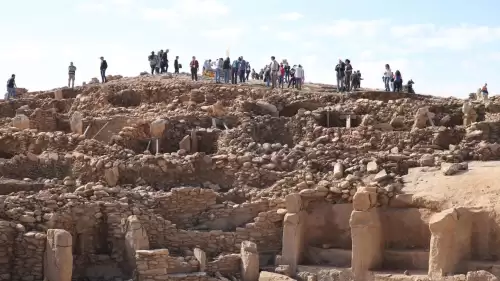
(249, 261)
(58, 261)
(136, 238)
(366, 234)
(111, 176)
(293, 232)
(58, 94)
(194, 141)
(156, 129)
(421, 117)
(185, 143)
(201, 256)
(76, 123)
(450, 241)
(21, 122)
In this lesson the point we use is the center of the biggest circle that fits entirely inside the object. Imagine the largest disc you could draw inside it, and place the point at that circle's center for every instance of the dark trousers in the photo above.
(162, 67)
(176, 70)
(194, 74)
(248, 74)
(291, 82)
(234, 76)
(398, 86)
(153, 69)
(242, 76)
(103, 75)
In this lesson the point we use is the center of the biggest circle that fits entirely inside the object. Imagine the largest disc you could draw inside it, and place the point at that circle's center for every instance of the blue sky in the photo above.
(447, 47)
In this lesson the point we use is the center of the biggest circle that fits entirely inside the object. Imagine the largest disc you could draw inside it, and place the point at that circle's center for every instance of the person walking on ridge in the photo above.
(11, 87)
(71, 75)
(176, 65)
(194, 65)
(104, 66)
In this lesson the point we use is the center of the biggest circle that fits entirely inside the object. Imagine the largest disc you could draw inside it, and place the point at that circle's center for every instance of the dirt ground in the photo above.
(477, 187)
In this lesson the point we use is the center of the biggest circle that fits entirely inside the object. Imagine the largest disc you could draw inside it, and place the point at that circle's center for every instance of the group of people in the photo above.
(347, 78)
(158, 62)
(394, 81)
(223, 69)
(293, 76)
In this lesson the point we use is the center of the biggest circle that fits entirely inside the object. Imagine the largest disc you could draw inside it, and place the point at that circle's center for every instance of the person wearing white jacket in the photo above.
(387, 78)
(299, 77)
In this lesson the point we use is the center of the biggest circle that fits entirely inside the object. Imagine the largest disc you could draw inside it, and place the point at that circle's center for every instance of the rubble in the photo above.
(160, 178)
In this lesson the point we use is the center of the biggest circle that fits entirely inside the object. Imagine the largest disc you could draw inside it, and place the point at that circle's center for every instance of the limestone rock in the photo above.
(249, 261)
(76, 123)
(271, 276)
(338, 170)
(112, 176)
(157, 128)
(480, 275)
(21, 122)
(58, 261)
(185, 143)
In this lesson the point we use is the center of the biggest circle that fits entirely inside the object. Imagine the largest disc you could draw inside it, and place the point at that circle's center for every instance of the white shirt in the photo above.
(388, 73)
(299, 73)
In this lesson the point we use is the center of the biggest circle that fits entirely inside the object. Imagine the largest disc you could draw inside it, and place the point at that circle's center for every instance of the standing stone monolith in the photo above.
(136, 238)
(58, 261)
(249, 261)
(21, 122)
(76, 123)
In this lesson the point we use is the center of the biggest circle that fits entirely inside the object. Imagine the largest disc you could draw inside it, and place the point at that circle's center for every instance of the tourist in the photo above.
(153, 60)
(274, 67)
(164, 61)
(281, 75)
(71, 75)
(398, 81)
(104, 66)
(234, 71)
(292, 82)
(348, 74)
(248, 71)
(287, 72)
(299, 76)
(340, 69)
(226, 67)
(11, 88)
(194, 69)
(218, 69)
(484, 91)
(267, 75)
(242, 69)
(387, 78)
(176, 65)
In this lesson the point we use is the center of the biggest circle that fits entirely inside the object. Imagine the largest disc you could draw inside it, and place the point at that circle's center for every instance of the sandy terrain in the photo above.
(477, 187)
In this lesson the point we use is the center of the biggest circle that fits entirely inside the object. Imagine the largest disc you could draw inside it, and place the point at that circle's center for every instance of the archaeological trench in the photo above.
(159, 178)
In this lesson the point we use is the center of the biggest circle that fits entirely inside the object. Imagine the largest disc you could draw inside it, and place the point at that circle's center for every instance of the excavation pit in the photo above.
(333, 119)
(292, 109)
(125, 98)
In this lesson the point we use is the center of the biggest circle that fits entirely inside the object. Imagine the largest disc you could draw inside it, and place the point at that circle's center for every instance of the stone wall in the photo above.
(28, 256)
(225, 264)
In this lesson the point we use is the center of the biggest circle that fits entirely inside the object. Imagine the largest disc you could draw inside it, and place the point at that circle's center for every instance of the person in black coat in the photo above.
(176, 64)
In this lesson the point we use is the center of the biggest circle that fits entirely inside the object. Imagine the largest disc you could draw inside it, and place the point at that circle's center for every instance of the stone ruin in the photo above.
(159, 178)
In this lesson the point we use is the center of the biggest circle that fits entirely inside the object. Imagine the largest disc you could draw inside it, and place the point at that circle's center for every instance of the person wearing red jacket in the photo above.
(282, 74)
(194, 69)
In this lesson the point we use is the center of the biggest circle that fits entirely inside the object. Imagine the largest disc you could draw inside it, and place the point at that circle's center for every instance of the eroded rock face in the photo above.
(136, 238)
(21, 122)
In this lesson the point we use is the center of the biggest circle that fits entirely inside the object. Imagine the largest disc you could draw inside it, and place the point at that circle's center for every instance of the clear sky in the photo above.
(447, 47)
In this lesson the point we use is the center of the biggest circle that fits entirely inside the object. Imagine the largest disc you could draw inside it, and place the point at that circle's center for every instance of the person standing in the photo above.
(194, 65)
(218, 69)
(226, 68)
(348, 74)
(71, 75)
(299, 77)
(340, 69)
(248, 71)
(387, 78)
(176, 65)
(11, 87)
(274, 66)
(104, 66)
(241, 69)
(152, 62)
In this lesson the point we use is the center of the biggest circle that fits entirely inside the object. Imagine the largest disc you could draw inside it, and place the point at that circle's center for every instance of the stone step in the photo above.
(406, 259)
